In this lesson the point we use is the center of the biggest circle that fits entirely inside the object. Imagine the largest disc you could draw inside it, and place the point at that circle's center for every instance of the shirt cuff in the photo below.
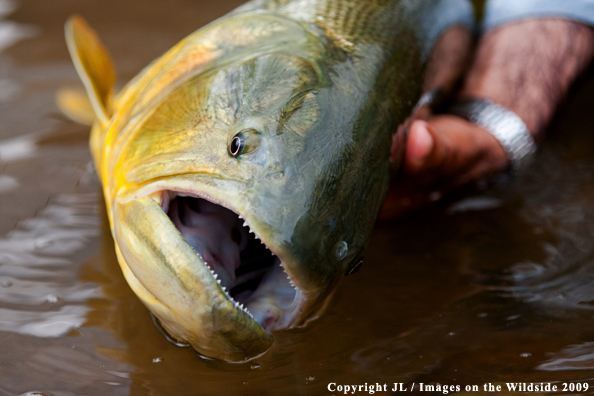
(443, 14)
(500, 12)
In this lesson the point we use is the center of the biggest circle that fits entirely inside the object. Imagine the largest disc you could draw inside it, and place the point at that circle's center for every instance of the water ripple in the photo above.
(573, 357)
(39, 293)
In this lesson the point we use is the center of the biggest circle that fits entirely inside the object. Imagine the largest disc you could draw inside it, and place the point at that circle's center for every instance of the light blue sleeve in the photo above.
(443, 14)
(500, 12)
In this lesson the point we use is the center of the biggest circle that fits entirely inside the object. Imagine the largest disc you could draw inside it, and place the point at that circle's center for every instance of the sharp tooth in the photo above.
(224, 289)
(219, 281)
(245, 224)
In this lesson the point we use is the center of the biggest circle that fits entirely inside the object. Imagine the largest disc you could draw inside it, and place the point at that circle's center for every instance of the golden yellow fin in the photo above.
(75, 104)
(93, 64)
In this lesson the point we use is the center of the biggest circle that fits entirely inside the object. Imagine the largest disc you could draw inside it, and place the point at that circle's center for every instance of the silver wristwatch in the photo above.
(507, 127)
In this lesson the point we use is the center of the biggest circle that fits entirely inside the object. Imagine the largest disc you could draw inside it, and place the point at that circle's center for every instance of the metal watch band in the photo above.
(505, 125)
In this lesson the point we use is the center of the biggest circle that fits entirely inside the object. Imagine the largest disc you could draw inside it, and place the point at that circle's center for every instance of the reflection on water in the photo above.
(7, 183)
(565, 279)
(10, 31)
(16, 149)
(573, 357)
(37, 271)
(493, 288)
(475, 203)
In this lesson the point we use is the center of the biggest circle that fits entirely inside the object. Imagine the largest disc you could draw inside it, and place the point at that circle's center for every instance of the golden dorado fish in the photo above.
(244, 169)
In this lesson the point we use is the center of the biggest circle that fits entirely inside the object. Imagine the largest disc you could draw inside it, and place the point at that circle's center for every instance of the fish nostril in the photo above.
(276, 176)
(236, 235)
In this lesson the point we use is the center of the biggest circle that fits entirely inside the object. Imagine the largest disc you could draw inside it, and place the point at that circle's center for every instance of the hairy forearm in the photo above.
(528, 66)
(449, 59)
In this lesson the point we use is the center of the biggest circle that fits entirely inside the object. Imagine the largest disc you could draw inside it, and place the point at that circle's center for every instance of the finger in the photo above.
(419, 147)
(451, 149)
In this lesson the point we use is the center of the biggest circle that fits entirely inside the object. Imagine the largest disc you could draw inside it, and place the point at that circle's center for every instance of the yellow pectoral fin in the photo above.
(93, 64)
(75, 104)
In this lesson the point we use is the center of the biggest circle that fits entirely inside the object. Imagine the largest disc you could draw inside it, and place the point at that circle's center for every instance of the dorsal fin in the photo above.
(93, 64)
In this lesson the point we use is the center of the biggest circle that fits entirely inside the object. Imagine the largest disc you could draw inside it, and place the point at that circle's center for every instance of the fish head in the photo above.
(241, 192)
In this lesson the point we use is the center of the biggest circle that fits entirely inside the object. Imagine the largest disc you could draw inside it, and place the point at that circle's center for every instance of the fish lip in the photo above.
(164, 189)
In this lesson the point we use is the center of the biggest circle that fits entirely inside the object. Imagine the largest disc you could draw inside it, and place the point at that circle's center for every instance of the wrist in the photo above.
(528, 67)
(503, 124)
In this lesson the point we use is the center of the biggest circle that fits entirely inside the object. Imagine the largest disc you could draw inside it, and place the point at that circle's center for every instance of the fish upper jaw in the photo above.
(206, 274)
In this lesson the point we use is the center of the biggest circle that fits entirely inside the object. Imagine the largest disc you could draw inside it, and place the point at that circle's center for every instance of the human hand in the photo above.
(527, 67)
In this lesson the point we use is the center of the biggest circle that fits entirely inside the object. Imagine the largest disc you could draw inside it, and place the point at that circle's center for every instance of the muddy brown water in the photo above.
(497, 287)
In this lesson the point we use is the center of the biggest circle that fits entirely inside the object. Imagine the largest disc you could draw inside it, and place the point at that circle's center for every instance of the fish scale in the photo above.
(355, 20)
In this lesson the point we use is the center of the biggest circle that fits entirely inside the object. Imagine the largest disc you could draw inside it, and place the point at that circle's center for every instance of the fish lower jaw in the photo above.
(266, 309)
(248, 274)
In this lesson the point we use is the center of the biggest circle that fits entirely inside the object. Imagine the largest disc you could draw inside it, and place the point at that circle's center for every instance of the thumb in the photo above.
(419, 147)
(452, 148)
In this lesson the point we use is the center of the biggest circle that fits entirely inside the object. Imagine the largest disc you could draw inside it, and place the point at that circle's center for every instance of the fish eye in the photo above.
(358, 264)
(237, 144)
(244, 142)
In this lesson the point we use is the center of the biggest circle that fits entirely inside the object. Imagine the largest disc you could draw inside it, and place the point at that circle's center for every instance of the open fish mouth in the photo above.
(205, 273)
(252, 277)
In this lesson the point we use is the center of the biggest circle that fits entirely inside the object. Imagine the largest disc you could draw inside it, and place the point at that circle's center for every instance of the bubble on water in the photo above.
(310, 378)
(525, 354)
(158, 360)
(435, 196)
(52, 298)
(255, 367)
